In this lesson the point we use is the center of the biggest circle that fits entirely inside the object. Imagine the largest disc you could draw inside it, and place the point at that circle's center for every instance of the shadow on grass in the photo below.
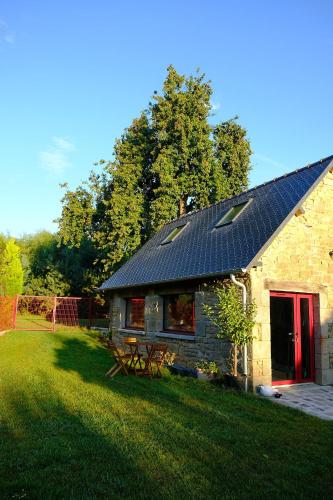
(85, 356)
(49, 452)
(91, 360)
(67, 431)
(129, 438)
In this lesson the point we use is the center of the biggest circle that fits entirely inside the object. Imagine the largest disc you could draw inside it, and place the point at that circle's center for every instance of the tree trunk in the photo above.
(235, 361)
(182, 207)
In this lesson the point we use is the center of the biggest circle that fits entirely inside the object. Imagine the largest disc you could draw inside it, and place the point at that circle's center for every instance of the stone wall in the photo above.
(188, 348)
(298, 260)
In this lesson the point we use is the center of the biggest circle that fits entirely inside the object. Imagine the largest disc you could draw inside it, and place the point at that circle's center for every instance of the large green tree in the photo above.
(119, 230)
(11, 271)
(183, 159)
(51, 268)
(232, 154)
(169, 161)
(77, 213)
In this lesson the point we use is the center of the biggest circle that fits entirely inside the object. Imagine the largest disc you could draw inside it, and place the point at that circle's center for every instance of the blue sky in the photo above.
(74, 74)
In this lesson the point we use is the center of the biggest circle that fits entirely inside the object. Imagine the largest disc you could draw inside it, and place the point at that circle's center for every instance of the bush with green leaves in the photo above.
(234, 322)
(11, 272)
(208, 367)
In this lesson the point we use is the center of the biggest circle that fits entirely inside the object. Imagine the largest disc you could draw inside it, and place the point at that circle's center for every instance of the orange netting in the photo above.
(35, 313)
(7, 305)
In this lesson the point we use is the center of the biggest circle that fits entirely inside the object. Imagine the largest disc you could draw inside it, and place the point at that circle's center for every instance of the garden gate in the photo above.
(35, 313)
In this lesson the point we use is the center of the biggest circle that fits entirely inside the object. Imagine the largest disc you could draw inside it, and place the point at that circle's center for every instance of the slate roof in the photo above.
(201, 250)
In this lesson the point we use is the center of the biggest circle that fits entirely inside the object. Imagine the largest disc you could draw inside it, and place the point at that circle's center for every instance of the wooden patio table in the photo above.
(136, 355)
(134, 352)
(152, 356)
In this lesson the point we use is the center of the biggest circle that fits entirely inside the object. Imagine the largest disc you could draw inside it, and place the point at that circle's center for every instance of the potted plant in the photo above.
(169, 359)
(206, 370)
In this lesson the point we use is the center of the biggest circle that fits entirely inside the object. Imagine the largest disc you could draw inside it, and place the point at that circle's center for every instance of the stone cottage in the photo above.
(277, 240)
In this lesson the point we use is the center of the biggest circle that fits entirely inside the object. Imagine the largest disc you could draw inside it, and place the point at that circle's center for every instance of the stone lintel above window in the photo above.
(131, 331)
(175, 336)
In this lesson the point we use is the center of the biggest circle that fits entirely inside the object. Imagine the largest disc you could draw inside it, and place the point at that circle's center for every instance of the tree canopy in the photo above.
(11, 271)
(169, 161)
(51, 268)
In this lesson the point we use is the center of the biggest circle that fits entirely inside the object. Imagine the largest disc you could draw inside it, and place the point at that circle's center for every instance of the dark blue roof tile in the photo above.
(202, 250)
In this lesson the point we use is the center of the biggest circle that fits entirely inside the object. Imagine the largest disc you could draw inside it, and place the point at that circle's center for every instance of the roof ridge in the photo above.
(288, 174)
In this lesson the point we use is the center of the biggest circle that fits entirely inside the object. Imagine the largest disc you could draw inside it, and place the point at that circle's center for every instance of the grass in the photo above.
(68, 432)
(37, 322)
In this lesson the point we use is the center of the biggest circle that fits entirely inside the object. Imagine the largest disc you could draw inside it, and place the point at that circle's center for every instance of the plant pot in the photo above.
(232, 381)
(203, 376)
(181, 370)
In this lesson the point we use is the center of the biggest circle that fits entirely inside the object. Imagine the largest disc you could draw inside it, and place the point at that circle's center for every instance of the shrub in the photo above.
(208, 367)
(234, 322)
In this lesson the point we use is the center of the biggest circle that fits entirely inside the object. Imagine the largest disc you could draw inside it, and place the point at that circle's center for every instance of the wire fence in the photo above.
(36, 313)
(83, 312)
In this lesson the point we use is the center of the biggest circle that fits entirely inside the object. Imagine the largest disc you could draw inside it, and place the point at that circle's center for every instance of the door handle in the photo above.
(292, 336)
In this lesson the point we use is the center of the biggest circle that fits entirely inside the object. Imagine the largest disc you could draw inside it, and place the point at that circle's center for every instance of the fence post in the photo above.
(90, 312)
(15, 304)
(54, 313)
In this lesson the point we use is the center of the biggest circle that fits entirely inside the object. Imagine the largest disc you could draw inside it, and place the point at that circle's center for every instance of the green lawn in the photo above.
(67, 432)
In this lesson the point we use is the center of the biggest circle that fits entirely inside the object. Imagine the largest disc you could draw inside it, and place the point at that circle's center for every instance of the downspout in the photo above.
(244, 297)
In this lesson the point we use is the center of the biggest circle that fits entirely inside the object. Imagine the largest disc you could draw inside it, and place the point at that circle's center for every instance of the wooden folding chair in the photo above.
(156, 355)
(121, 360)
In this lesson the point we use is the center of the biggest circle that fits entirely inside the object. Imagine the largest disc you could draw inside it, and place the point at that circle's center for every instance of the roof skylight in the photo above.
(233, 213)
(173, 234)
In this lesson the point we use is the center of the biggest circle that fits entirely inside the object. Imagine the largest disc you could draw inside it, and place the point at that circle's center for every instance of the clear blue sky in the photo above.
(74, 73)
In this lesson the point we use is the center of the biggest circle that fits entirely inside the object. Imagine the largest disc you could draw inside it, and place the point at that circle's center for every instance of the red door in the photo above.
(292, 342)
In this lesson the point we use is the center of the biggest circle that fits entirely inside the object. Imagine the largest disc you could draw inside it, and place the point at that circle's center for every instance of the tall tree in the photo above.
(77, 213)
(183, 152)
(169, 161)
(232, 153)
(11, 271)
(121, 230)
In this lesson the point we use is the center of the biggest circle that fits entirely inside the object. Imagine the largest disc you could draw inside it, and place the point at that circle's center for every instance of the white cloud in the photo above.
(63, 144)
(6, 35)
(55, 159)
(267, 159)
(10, 38)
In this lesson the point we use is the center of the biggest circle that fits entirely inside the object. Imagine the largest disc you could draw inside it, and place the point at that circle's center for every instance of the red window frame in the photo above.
(178, 330)
(298, 346)
(136, 301)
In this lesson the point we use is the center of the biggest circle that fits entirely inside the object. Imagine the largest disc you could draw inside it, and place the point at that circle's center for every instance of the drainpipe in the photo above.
(244, 297)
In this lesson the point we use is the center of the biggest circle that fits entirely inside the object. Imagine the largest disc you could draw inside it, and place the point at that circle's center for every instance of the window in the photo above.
(233, 213)
(174, 233)
(179, 313)
(135, 313)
